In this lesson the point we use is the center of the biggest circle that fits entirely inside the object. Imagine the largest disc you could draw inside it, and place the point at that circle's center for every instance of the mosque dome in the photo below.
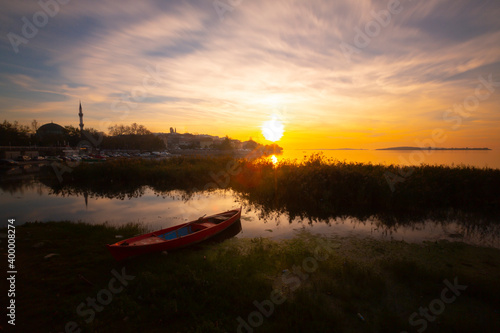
(50, 129)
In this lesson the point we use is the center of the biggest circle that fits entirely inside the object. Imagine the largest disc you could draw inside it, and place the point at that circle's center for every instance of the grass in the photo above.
(206, 288)
(315, 189)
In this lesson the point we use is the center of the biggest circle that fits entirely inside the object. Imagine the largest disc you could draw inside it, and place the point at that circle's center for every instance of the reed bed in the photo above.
(316, 188)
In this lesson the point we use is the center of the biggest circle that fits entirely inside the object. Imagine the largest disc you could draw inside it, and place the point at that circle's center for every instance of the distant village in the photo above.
(20, 141)
(174, 141)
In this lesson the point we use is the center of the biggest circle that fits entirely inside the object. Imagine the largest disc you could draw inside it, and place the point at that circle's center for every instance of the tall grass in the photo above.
(316, 188)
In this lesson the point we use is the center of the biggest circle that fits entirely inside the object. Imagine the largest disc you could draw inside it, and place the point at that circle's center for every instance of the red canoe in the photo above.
(175, 237)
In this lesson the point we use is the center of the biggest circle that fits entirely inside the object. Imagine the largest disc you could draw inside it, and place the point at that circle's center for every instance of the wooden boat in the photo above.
(175, 237)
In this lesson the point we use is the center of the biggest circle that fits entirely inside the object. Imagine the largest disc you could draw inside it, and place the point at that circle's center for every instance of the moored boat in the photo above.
(175, 237)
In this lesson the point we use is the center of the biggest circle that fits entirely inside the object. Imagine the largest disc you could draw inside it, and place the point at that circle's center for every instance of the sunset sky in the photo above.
(358, 74)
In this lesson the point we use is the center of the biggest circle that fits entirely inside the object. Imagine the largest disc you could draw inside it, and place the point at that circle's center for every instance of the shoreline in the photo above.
(316, 187)
(212, 285)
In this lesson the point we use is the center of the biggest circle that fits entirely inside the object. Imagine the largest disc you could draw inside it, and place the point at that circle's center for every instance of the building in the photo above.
(80, 114)
(236, 144)
(50, 129)
(51, 134)
(206, 143)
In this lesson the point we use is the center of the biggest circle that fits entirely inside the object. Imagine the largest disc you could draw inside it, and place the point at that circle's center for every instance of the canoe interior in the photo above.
(175, 237)
(190, 228)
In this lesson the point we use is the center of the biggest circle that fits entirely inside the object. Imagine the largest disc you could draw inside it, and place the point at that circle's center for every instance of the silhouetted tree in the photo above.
(72, 135)
(250, 144)
(226, 144)
(133, 129)
(34, 126)
(132, 137)
(14, 134)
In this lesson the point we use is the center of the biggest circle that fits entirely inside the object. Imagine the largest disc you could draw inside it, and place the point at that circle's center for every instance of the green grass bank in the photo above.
(315, 284)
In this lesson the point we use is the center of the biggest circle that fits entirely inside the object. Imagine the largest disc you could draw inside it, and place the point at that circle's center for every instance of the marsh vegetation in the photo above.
(315, 189)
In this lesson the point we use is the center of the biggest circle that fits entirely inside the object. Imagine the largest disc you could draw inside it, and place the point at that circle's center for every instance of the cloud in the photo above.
(263, 56)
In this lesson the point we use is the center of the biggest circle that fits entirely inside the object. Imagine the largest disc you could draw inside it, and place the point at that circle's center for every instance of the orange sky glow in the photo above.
(364, 74)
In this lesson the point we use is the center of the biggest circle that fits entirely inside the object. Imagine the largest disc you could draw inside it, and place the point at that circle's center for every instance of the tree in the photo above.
(141, 130)
(72, 135)
(250, 144)
(134, 136)
(34, 126)
(13, 134)
(133, 129)
(226, 144)
(117, 130)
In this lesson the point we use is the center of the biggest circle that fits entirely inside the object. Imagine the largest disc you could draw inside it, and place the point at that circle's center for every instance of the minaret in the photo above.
(81, 120)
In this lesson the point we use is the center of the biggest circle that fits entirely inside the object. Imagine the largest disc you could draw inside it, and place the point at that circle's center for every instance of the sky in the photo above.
(331, 74)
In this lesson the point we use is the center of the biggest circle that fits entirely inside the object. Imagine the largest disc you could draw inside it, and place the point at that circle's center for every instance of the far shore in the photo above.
(431, 148)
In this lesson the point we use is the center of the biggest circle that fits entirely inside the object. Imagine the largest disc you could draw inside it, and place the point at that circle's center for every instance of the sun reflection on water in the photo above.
(274, 159)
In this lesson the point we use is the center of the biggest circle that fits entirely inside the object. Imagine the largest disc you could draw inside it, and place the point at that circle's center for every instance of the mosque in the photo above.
(53, 133)
(50, 130)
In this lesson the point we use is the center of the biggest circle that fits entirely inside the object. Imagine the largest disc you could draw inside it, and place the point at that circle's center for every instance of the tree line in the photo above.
(133, 137)
(119, 136)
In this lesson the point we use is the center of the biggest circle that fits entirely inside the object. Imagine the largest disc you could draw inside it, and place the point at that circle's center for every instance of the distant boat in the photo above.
(175, 237)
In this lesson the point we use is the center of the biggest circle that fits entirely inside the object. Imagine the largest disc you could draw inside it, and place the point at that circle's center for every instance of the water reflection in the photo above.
(40, 199)
(476, 158)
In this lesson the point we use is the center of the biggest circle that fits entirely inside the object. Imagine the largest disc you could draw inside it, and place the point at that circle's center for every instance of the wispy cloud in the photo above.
(228, 77)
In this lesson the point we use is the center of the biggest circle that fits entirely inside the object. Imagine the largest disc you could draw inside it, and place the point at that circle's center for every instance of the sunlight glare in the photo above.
(274, 159)
(273, 129)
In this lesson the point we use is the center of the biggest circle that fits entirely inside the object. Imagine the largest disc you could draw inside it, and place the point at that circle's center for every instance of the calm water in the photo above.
(30, 200)
(477, 158)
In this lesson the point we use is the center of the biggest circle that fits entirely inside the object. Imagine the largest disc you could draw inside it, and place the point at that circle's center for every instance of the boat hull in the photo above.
(175, 237)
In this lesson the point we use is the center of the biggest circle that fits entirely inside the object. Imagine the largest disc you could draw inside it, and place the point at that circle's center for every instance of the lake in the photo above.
(476, 158)
(29, 200)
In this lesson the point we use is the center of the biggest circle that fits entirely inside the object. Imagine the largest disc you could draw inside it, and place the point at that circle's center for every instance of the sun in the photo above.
(273, 129)
(274, 159)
